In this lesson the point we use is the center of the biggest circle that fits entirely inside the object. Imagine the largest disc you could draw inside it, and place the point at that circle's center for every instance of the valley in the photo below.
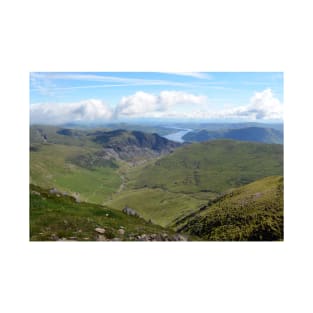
(165, 182)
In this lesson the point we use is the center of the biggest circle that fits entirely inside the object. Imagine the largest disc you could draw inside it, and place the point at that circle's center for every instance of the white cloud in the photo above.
(263, 105)
(192, 74)
(57, 113)
(167, 104)
(146, 104)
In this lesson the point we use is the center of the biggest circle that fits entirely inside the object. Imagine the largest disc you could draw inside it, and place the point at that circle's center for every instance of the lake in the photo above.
(178, 136)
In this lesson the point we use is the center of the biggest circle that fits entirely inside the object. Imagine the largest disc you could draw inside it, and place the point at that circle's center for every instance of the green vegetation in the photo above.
(80, 169)
(57, 217)
(210, 167)
(252, 212)
(56, 166)
(157, 205)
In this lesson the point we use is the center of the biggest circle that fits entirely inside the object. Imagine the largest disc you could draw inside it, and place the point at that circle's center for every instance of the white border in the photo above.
(155, 36)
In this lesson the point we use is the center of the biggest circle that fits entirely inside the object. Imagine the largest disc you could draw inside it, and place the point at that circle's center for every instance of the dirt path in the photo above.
(122, 186)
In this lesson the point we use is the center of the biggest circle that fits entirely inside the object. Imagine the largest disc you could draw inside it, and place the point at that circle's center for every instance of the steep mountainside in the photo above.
(258, 134)
(251, 212)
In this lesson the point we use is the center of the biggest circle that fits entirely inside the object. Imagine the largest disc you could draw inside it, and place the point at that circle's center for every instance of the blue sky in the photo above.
(113, 96)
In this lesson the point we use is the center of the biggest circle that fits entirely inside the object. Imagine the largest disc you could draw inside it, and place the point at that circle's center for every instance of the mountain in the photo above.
(117, 144)
(89, 163)
(212, 166)
(131, 145)
(252, 212)
(257, 134)
(177, 184)
(57, 216)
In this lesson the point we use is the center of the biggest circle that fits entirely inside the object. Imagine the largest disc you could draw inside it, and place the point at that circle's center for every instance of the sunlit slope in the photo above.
(252, 212)
(59, 217)
(62, 167)
(157, 205)
(210, 167)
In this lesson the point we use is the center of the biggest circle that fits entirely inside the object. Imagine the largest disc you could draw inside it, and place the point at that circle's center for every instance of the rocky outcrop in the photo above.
(130, 211)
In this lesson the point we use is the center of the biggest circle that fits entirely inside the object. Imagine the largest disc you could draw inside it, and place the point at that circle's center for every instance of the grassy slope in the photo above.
(50, 167)
(251, 212)
(53, 217)
(211, 167)
(157, 205)
(180, 183)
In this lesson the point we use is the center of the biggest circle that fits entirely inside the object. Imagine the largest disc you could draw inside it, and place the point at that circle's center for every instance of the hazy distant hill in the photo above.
(258, 134)
(251, 212)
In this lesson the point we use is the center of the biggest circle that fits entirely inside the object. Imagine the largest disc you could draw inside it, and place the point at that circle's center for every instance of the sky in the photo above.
(62, 97)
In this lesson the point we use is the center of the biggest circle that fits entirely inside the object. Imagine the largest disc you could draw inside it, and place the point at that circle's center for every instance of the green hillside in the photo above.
(86, 162)
(157, 205)
(66, 168)
(54, 216)
(258, 134)
(210, 167)
(180, 183)
(252, 212)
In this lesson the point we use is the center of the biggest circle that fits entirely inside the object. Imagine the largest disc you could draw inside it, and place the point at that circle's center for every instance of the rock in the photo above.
(100, 230)
(202, 208)
(130, 211)
(101, 238)
(143, 237)
(53, 190)
(121, 231)
(179, 237)
(33, 192)
(54, 237)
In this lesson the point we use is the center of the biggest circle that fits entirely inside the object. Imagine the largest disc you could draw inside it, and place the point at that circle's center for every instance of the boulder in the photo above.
(121, 231)
(100, 230)
(130, 211)
(101, 238)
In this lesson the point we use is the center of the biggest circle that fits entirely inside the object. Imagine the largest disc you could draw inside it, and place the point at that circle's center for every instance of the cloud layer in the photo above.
(146, 104)
(58, 113)
(167, 104)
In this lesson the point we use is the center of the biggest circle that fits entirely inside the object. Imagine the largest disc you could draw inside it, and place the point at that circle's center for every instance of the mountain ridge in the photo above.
(256, 134)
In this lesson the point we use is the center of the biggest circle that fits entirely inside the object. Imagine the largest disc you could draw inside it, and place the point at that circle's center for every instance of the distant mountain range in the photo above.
(257, 134)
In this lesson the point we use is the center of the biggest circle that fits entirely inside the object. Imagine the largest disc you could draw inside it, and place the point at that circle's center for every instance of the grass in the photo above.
(210, 167)
(252, 212)
(166, 189)
(55, 217)
(51, 167)
(157, 205)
